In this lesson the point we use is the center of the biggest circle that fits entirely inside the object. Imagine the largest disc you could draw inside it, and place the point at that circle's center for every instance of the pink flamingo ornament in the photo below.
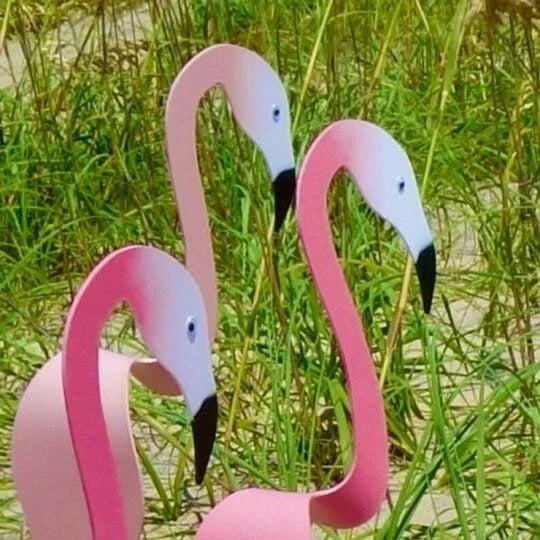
(385, 178)
(92, 489)
(260, 105)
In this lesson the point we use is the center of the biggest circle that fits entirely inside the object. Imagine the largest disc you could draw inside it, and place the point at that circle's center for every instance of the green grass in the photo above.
(82, 172)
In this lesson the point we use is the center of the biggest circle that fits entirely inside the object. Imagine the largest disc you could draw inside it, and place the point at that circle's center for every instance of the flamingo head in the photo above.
(260, 105)
(385, 178)
(172, 321)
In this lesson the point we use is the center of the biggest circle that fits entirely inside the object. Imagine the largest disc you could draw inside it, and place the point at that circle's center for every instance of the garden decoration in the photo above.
(92, 488)
(259, 103)
(385, 178)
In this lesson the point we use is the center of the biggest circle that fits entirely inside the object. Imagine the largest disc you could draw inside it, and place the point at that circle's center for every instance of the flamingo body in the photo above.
(44, 465)
(261, 514)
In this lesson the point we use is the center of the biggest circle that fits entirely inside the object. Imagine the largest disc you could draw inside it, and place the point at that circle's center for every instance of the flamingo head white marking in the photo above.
(385, 177)
(260, 105)
(173, 325)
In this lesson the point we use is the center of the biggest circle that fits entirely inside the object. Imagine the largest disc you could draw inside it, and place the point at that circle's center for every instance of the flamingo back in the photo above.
(44, 466)
(261, 514)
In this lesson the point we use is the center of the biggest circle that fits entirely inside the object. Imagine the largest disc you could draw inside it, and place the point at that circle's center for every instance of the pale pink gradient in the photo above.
(252, 88)
(44, 465)
(251, 513)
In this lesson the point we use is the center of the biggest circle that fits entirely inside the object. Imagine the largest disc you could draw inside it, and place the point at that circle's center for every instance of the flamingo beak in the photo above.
(284, 190)
(426, 271)
(204, 426)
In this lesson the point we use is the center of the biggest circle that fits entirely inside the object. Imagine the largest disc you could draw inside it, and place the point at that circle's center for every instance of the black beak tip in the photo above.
(204, 428)
(427, 306)
(199, 477)
(426, 270)
(284, 190)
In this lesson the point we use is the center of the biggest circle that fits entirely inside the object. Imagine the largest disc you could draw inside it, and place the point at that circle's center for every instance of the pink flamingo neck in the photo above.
(359, 496)
(215, 65)
(106, 286)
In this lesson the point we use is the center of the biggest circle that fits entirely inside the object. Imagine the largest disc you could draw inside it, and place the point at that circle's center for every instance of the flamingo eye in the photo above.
(276, 113)
(191, 329)
(401, 184)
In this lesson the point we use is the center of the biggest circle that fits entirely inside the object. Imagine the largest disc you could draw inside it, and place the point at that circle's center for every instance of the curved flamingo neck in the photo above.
(359, 496)
(213, 66)
(108, 284)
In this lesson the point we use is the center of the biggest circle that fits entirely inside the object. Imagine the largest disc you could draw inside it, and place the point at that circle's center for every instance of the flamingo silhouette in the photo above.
(260, 105)
(385, 178)
(170, 313)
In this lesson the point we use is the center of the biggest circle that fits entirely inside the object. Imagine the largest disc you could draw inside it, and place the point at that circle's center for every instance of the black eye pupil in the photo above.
(191, 326)
(401, 186)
